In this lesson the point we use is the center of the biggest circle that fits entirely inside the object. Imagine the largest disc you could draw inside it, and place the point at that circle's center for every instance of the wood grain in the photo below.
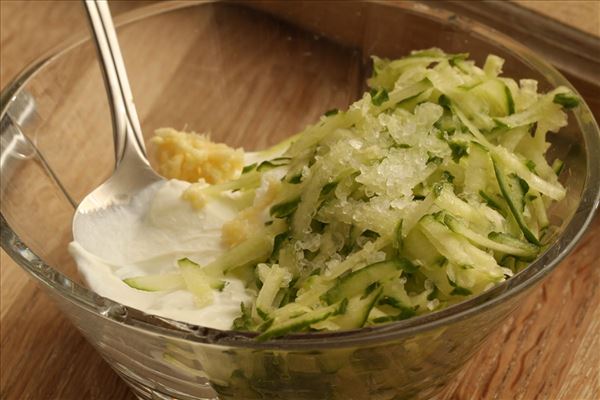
(583, 14)
(549, 348)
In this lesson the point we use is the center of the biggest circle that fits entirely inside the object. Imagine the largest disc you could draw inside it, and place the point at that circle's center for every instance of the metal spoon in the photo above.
(132, 171)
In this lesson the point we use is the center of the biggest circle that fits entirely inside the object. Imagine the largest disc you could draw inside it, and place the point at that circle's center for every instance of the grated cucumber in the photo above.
(198, 282)
(156, 283)
(433, 187)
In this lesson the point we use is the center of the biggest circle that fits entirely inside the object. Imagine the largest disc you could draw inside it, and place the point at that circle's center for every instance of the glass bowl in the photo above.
(252, 74)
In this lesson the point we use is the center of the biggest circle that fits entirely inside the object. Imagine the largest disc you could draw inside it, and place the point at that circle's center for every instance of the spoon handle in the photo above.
(128, 138)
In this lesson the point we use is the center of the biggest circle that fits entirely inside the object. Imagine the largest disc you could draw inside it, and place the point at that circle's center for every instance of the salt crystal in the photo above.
(356, 144)
(433, 304)
(311, 243)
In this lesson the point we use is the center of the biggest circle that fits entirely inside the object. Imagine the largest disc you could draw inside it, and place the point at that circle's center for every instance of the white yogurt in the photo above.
(147, 237)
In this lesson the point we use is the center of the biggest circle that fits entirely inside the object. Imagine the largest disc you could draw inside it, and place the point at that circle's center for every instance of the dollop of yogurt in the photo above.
(146, 237)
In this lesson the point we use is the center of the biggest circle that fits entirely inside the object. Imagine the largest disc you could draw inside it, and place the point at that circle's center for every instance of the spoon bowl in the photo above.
(133, 172)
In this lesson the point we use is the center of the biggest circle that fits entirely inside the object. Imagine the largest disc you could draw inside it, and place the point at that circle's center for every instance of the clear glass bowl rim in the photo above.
(118, 313)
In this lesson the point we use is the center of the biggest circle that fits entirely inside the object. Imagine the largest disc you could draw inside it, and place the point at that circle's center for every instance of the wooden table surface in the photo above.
(549, 348)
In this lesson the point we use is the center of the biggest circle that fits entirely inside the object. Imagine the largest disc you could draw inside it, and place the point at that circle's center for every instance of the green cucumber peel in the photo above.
(298, 323)
(356, 282)
(156, 283)
(285, 209)
(514, 204)
(566, 100)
